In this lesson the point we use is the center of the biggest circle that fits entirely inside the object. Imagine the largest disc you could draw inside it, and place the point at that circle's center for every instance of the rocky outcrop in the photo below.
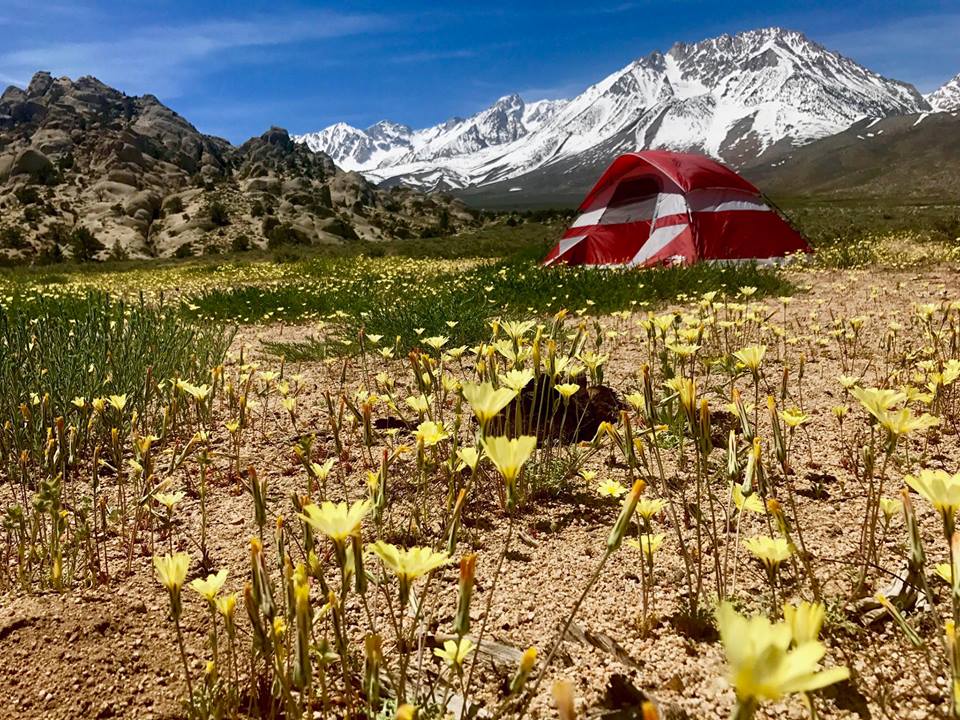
(146, 182)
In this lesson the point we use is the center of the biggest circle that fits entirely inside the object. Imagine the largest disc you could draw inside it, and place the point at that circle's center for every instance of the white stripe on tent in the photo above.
(564, 246)
(664, 204)
(589, 218)
(724, 201)
(658, 240)
(734, 205)
(641, 210)
(671, 204)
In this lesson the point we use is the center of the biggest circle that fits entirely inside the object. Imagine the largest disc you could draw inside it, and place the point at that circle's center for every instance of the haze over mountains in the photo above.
(749, 99)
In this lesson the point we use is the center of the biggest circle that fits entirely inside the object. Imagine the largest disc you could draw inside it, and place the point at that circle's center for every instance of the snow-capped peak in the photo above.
(385, 129)
(946, 98)
(350, 147)
(539, 112)
(733, 96)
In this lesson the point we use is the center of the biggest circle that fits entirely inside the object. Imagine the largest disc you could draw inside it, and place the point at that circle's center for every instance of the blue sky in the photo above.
(235, 68)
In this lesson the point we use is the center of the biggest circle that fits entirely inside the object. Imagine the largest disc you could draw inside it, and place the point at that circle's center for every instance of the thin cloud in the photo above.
(162, 60)
(621, 8)
(432, 56)
(906, 49)
(9, 80)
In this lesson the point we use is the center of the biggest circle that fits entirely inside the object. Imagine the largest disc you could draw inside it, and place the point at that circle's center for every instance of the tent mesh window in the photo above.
(634, 200)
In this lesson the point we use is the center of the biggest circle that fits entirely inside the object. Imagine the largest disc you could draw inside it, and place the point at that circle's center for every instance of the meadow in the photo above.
(426, 479)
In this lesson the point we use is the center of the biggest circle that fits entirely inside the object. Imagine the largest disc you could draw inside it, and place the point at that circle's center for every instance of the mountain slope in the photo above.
(946, 98)
(141, 179)
(388, 144)
(904, 157)
(912, 157)
(736, 97)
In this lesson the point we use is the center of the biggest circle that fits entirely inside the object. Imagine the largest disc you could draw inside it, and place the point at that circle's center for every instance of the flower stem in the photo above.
(563, 632)
(486, 610)
(744, 709)
(183, 658)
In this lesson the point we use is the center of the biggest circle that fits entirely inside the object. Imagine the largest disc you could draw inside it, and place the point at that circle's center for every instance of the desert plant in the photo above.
(84, 244)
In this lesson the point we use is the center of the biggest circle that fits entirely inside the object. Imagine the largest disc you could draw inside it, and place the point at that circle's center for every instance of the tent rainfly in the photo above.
(659, 207)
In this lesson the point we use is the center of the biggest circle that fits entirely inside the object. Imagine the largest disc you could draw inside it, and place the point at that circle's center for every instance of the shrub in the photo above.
(184, 251)
(65, 162)
(241, 243)
(27, 195)
(58, 234)
(12, 238)
(218, 213)
(118, 252)
(343, 229)
(84, 244)
(443, 220)
(50, 254)
(324, 197)
(267, 225)
(174, 205)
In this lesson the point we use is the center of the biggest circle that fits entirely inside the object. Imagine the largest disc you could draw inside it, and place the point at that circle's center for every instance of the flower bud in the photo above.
(917, 554)
(468, 567)
(563, 699)
(703, 436)
(407, 712)
(649, 409)
(262, 590)
(373, 656)
(250, 604)
(955, 569)
(733, 462)
(778, 445)
(742, 415)
(527, 661)
(360, 575)
(258, 489)
(626, 512)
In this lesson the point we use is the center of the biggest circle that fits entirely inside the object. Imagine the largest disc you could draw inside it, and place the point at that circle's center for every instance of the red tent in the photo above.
(658, 207)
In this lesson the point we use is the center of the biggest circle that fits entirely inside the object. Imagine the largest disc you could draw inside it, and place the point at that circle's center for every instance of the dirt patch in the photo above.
(111, 652)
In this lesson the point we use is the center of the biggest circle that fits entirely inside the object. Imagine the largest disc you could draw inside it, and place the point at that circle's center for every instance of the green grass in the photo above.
(403, 290)
(94, 347)
(409, 307)
(828, 222)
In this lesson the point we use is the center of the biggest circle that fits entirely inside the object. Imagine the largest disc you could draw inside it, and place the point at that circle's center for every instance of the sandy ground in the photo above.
(110, 652)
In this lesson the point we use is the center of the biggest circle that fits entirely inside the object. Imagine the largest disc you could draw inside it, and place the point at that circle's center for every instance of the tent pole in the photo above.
(783, 216)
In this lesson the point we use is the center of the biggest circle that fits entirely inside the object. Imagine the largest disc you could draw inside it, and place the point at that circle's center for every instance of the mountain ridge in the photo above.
(946, 98)
(79, 159)
(736, 97)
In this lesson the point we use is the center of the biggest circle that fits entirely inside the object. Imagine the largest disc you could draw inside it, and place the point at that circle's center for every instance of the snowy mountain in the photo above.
(735, 97)
(387, 144)
(947, 97)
